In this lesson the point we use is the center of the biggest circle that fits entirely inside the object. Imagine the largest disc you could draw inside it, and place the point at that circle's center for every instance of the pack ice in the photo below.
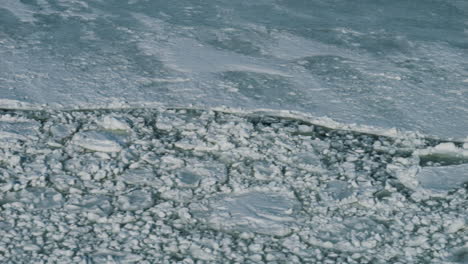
(182, 185)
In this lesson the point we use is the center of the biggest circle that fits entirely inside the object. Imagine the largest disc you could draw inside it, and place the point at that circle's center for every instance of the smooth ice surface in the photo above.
(442, 179)
(387, 64)
(97, 141)
(266, 212)
(12, 128)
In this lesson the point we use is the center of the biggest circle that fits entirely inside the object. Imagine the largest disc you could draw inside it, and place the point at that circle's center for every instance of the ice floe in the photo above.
(258, 212)
(97, 141)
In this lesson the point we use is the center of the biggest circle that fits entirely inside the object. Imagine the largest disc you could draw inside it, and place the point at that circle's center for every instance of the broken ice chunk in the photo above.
(439, 180)
(196, 172)
(61, 131)
(443, 154)
(18, 129)
(98, 141)
(141, 176)
(166, 121)
(135, 200)
(339, 190)
(111, 122)
(63, 182)
(269, 213)
(308, 161)
(263, 170)
(109, 256)
(460, 255)
(96, 204)
(188, 178)
(352, 235)
(38, 198)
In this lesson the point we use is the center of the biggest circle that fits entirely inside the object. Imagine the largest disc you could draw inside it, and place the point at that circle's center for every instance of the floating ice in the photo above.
(61, 131)
(353, 234)
(110, 256)
(95, 204)
(111, 152)
(264, 170)
(339, 190)
(135, 200)
(141, 176)
(460, 255)
(36, 198)
(442, 179)
(269, 213)
(224, 186)
(64, 183)
(97, 141)
(110, 122)
(188, 178)
(446, 153)
(18, 129)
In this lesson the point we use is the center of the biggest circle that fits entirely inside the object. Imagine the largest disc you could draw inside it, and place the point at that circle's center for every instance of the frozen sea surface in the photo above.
(388, 64)
(186, 185)
(233, 131)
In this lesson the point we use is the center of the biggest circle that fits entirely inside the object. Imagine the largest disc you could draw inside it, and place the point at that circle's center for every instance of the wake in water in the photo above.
(187, 185)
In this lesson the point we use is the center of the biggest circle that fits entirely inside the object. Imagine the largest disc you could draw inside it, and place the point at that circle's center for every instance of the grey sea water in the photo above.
(140, 131)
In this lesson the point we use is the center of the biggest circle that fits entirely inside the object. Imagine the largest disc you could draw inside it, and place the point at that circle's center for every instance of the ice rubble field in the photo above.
(213, 186)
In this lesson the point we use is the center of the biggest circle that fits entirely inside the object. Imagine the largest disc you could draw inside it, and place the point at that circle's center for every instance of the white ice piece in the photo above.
(135, 200)
(18, 129)
(141, 176)
(37, 197)
(352, 235)
(97, 141)
(447, 149)
(439, 180)
(110, 122)
(270, 213)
